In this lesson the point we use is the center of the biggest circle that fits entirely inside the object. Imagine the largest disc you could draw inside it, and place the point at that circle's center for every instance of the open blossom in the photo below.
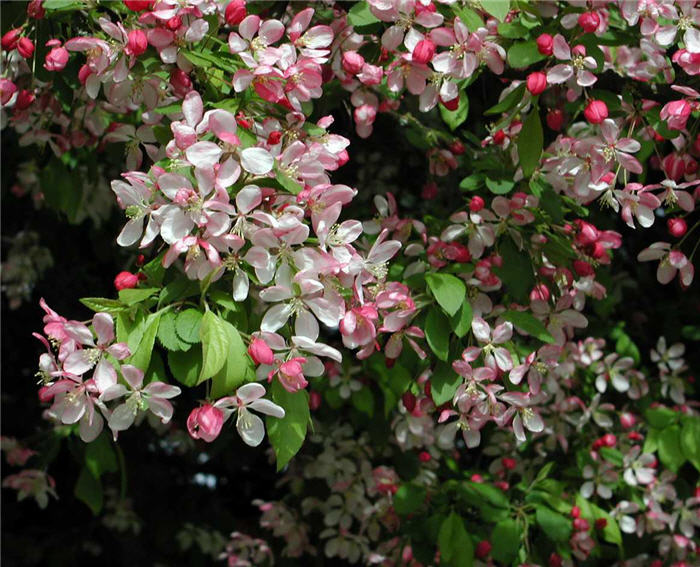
(671, 262)
(494, 356)
(580, 64)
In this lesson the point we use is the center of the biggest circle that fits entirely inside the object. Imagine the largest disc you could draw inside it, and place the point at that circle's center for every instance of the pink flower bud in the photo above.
(84, 73)
(536, 82)
(508, 463)
(676, 114)
(579, 50)
(24, 100)
(540, 292)
(423, 52)
(181, 82)
(677, 227)
(587, 233)
(589, 21)
(25, 47)
(205, 423)
(483, 548)
(7, 90)
(235, 12)
(583, 268)
(476, 204)
(452, 104)
(555, 119)
(424, 457)
(352, 62)
(409, 401)
(260, 352)
(627, 420)
(429, 191)
(138, 5)
(575, 512)
(545, 44)
(370, 75)
(581, 525)
(291, 374)
(457, 147)
(56, 59)
(125, 280)
(10, 39)
(674, 166)
(596, 111)
(35, 10)
(136, 43)
(174, 23)
(314, 400)
(609, 440)
(555, 560)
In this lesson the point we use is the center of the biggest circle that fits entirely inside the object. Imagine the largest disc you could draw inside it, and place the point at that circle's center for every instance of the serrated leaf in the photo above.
(288, 183)
(167, 335)
(660, 417)
(528, 323)
(102, 304)
(360, 15)
(508, 102)
(238, 368)
(287, 434)
(690, 440)
(468, 17)
(363, 401)
(437, 333)
(444, 383)
(100, 456)
(448, 290)
(187, 325)
(530, 141)
(669, 449)
(215, 344)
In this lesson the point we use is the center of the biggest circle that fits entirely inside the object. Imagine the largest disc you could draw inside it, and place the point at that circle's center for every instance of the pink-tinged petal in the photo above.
(162, 390)
(133, 376)
(318, 37)
(268, 408)
(664, 273)
(484, 374)
(121, 418)
(609, 131)
(175, 226)
(533, 421)
(78, 362)
(120, 351)
(470, 354)
(503, 333)
(248, 198)
(90, 428)
(79, 332)
(687, 273)
(685, 201)
(645, 216)
(559, 74)
(113, 392)
(270, 31)
(250, 427)
(171, 183)
(503, 359)
(73, 408)
(131, 232)
(629, 163)
(257, 161)
(481, 330)
(518, 428)
(276, 317)
(665, 35)
(192, 108)
(585, 78)
(242, 80)
(104, 376)
(628, 145)
(561, 48)
(249, 26)
(161, 408)
(516, 375)
(203, 154)
(104, 328)
(392, 38)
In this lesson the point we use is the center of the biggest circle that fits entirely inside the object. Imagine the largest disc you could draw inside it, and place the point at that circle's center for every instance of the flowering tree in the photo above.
(449, 355)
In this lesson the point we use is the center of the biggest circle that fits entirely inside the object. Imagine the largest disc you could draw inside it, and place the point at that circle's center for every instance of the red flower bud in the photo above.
(25, 47)
(555, 560)
(423, 52)
(483, 548)
(627, 420)
(555, 119)
(260, 352)
(600, 523)
(583, 268)
(24, 100)
(235, 12)
(452, 104)
(136, 43)
(314, 400)
(677, 227)
(596, 111)
(589, 21)
(536, 82)
(508, 463)
(138, 5)
(125, 280)
(429, 191)
(352, 62)
(609, 440)
(205, 423)
(545, 44)
(56, 59)
(540, 292)
(274, 138)
(35, 10)
(581, 525)
(424, 457)
(476, 204)
(409, 401)
(575, 512)
(140, 259)
(174, 23)
(457, 147)
(499, 136)
(587, 234)
(10, 39)
(181, 82)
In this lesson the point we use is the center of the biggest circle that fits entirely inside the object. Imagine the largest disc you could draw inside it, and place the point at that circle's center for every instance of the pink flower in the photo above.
(291, 374)
(676, 114)
(494, 357)
(137, 43)
(423, 52)
(596, 111)
(671, 262)
(205, 422)
(579, 66)
(260, 352)
(235, 12)
(57, 58)
(352, 62)
(536, 82)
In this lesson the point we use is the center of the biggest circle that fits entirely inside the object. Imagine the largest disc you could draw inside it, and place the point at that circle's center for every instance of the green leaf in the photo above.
(469, 17)
(528, 323)
(516, 271)
(102, 304)
(444, 383)
(167, 335)
(437, 333)
(186, 366)
(408, 499)
(63, 5)
(611, 532)
(238, 368)
(141, 357)
(660, 418)
(506, 539)
(471, 182)
(530, 141)
(690, 440)
(508, 102)
(670, 451)
(524, 54)
(480, 494)
(363, 401)
(556, 527)
(454, 118)
(360, 15)
(497, 8)
(100, 456)
(287, 434)
(611, 455)
(88, 489)
(500, 186)
(288, 183)
(187, 325)
(136, 295)
(215, 345)
(461, 321)
(455, 545)
(448, 290)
